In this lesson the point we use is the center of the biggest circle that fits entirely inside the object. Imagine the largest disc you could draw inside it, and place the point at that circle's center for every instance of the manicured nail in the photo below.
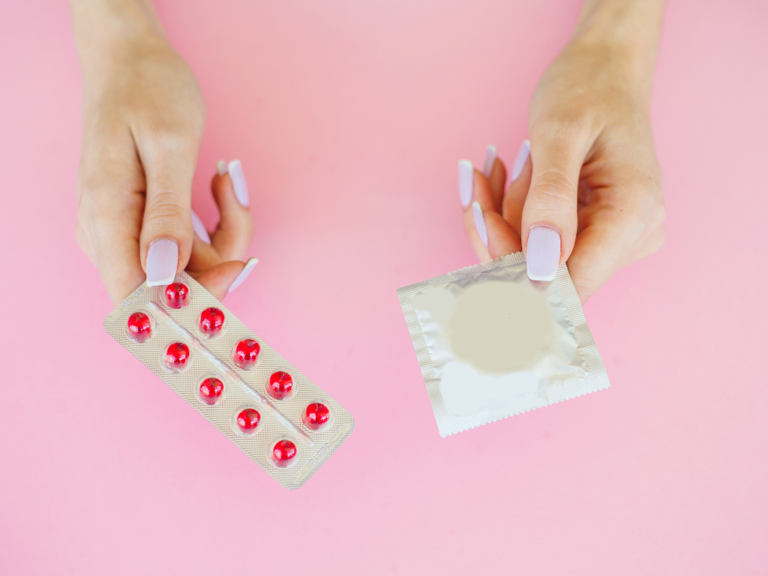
(221, 167)
(466, 182)
(162, 261)
(480, 222)
(490, 158)
(238, 182)
(244, 274)
(543, 254)
(522, 158)
(199, 228)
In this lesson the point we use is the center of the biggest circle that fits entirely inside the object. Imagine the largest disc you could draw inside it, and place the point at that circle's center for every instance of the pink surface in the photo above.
(349, 118)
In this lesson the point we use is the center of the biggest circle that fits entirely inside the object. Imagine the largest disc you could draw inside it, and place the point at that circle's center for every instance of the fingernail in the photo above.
(543, 254)
(466, 182)
(490, 158)
(238, 182)
(243, 275)
(199, 228)
(221, 167)
(162, 261)
(522, 158)
(480, 222)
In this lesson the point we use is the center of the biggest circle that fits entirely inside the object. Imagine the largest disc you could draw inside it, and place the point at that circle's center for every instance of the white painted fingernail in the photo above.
(221, 167)
(162, 261)
(522, 158)
(490, 158)
(238, 182)
(480, 222)
(466, 182)
(543, 254)
(242, 277)
(199, 228)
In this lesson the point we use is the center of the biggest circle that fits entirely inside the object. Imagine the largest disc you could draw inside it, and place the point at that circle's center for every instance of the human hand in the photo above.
(143, 120)
(586, 190)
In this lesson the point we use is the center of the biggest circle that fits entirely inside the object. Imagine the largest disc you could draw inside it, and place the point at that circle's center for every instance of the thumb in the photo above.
(549, 219)
(166, 233)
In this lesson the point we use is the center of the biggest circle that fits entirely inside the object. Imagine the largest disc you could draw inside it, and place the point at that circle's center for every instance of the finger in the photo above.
(116, 249)
(199, 228)
(502, 238)
(166, 236)
(549, 219)
(514, 199)
(202, 258)
(596, 257)
(203, 255)
(496, 174)
(226, 277)
(232, 237)
(473, 185)
(111, 204)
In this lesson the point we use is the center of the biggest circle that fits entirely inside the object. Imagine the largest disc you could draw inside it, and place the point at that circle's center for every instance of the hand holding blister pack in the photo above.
(492, 343)
(263, 404)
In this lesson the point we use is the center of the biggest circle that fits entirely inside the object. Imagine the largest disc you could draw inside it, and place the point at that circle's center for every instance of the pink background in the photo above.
(349, 117)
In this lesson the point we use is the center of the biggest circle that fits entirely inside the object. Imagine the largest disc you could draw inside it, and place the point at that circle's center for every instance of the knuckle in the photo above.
(568, 124)
(171, 135)
(167, 137)
(164, 208)
(553, 191)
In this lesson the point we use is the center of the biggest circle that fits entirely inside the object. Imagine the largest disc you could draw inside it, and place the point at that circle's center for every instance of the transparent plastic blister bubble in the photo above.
(261, 402)
(491, 343)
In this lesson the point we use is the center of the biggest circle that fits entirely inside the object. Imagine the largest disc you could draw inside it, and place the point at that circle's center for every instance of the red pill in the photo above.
(211, 321)
(248, 420)
(177, 356)
(280, 385)
(211, 390)
(139, 327)
(316, 416)
(283, 453)
(246, 354)
(176, 295)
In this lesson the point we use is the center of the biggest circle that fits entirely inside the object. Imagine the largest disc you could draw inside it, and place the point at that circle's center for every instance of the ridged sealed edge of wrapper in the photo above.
(595, 379)
(280, 419)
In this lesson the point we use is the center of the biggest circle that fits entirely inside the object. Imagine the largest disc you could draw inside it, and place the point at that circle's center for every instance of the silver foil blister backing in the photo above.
(281, 419)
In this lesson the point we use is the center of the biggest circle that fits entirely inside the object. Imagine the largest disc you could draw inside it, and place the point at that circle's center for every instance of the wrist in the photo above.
(108, 32)
(624, 31)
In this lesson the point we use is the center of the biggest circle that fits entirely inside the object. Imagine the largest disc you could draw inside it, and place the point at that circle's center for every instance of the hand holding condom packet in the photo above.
(265, 406)
(492, 343)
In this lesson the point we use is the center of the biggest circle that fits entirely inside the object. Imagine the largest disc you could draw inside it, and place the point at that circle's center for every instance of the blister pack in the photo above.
(491, 343)
(262, 403)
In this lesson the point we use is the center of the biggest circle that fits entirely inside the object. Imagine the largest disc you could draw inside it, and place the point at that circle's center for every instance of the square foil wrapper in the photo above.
(492, 343)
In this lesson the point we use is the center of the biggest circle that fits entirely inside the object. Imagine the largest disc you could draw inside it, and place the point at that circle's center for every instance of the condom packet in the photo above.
(249, 392)
(492, 343)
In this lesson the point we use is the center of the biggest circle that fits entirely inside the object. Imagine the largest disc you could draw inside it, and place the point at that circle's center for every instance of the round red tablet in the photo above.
(176, 295)
(280, 385)
(211, 390)
(316, 416)
(211, 321)
(248, 420)
(283, 453)
(246, 354)
(139, 327)
(177, 356)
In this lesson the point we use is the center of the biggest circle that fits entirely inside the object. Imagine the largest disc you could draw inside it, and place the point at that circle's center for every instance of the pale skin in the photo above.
(143, 120)
(592, 174)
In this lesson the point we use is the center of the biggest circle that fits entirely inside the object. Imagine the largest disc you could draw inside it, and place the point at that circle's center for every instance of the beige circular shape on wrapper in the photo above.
(500, 327)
